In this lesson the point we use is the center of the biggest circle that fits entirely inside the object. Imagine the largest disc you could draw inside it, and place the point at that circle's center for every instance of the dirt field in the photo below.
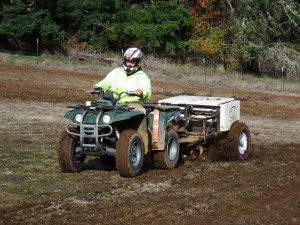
(262, 190)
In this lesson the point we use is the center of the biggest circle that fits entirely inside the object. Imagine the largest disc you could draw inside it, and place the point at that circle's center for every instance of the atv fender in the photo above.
(165, 119)
(120, 115)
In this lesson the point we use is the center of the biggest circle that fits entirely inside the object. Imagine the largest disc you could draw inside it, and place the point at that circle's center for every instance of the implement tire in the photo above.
(168, 159)
(238, 141)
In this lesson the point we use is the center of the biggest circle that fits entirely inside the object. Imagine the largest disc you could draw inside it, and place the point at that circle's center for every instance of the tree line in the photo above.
(234, 32)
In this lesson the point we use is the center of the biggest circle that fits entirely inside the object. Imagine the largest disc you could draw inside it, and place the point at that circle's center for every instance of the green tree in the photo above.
(163, 26)
(156, 26)
(21, 23)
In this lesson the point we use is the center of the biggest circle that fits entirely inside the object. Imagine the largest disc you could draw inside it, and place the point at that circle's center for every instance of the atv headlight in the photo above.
(106, 118)
(78, 118)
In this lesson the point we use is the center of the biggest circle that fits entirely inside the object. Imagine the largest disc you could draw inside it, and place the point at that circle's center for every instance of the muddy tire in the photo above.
(168, 158)
(129, 153)
(238, 141)
(70, 158)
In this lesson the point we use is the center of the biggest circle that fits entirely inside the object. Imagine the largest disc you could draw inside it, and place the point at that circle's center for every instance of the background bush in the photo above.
(280, 60)
(237, 33)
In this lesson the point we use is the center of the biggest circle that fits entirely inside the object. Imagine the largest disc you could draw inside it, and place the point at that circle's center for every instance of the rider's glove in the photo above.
(138, 92)
(97, 90)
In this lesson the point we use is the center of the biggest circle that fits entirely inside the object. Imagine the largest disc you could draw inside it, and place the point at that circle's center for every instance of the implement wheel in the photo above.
(238, 141)
(168, 158)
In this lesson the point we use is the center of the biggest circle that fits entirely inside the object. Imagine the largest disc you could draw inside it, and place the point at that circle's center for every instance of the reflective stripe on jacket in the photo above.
(118, 81)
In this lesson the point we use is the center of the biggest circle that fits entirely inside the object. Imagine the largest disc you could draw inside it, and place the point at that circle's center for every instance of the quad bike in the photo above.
(193, 127)
(104, 128)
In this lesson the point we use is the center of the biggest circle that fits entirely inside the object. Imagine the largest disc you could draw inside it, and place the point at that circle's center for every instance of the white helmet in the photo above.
(132, 54)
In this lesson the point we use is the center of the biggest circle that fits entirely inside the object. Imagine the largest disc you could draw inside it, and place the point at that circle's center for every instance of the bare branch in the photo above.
(231, 8)
(289, 8)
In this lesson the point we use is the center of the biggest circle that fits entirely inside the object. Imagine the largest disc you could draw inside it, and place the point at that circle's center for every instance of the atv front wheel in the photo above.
(129, 153)
(70, 156)
(168, 158)
(238, 141)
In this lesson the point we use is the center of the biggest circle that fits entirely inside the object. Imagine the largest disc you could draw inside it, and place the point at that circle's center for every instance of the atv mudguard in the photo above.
(120, 115)
(166, 118)
(72, 113)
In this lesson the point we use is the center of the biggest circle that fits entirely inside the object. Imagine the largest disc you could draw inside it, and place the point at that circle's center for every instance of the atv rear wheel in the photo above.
(168, 158)
(238, 141)
(70, 156)
(129, 153)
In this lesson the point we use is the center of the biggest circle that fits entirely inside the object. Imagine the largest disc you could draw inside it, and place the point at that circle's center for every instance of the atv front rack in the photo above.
(89, 134)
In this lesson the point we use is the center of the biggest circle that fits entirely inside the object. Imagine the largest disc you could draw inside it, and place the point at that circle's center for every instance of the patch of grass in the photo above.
(28, 158)
(19, 57)
(30, 172)
(28, 187)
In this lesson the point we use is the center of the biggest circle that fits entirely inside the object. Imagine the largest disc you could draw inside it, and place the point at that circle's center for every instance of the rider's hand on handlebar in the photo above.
(96, 91)
(138, 92)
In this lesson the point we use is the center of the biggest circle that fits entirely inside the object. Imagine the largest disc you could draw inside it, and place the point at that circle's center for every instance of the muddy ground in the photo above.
(262, 190)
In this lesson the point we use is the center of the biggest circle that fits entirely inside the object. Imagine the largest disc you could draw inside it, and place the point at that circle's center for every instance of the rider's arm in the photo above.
(107, 82)
(145, 88)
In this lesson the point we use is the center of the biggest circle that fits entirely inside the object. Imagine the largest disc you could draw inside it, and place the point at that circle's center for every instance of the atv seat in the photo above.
(167, 107)
(148, 110)
(150, 107)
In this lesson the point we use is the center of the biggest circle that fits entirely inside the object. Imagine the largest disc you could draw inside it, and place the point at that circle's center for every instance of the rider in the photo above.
(129, 78)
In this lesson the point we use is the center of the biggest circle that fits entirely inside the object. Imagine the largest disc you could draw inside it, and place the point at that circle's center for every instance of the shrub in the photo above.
(278, 59)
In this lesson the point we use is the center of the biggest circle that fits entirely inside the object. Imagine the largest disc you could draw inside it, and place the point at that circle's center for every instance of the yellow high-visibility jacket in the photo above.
(118, 81)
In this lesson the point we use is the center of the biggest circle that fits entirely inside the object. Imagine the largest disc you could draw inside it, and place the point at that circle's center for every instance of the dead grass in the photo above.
(163, 70)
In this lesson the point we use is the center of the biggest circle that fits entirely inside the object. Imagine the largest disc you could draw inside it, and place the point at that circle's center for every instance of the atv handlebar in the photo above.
(131, 93)
(127, 108)
(100, 91)
(108, 96)
(97, 91)
(114, 97)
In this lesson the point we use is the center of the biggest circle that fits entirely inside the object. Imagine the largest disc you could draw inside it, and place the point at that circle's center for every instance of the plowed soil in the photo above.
(262, 190)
